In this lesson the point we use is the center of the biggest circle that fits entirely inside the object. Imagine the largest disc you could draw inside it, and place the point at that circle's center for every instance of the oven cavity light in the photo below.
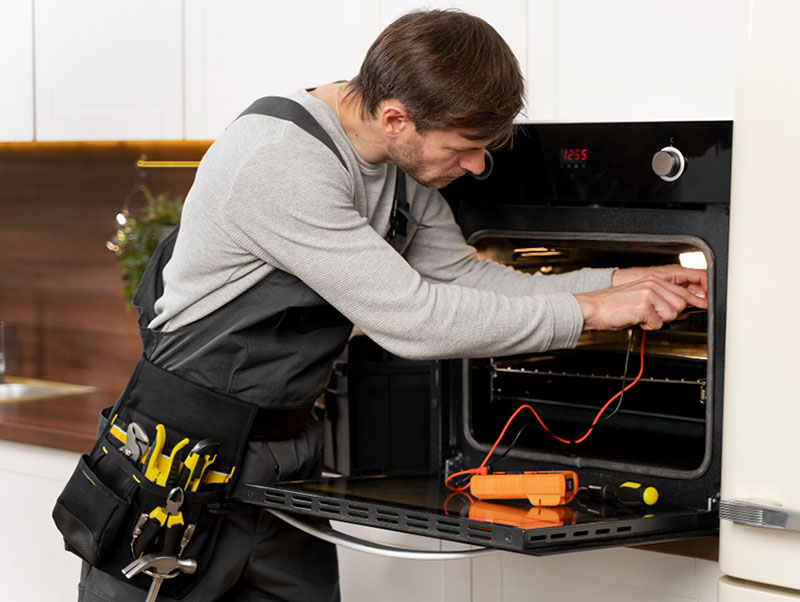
(536, 252)
(695, 259)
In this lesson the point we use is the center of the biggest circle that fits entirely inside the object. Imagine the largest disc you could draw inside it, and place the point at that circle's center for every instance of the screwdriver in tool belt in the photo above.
(627, 493)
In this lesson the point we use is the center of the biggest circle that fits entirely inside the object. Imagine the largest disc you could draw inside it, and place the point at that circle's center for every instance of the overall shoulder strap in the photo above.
(290, 110)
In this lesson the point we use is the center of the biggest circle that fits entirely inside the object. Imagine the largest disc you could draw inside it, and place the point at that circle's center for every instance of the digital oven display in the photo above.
(574, 156)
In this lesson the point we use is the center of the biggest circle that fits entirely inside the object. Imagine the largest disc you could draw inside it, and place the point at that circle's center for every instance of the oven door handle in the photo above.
(759, 514)
(362, 545)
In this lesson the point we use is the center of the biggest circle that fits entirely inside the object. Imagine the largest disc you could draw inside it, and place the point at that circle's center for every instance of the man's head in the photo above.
(449, 70)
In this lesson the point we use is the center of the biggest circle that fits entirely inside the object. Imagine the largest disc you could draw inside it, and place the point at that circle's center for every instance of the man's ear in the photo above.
(394, 119)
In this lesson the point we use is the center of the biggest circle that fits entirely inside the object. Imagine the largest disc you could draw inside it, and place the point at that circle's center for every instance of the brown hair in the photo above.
(450, 70)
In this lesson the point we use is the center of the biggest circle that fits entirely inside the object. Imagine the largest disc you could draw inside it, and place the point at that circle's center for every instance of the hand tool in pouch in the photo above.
(150, 525)
(135, 442)
(203, 455)
(168, 473)
(159, 567)
(152, 468)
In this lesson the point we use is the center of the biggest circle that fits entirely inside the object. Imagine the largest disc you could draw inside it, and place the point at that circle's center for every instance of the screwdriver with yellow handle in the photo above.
(629, 493)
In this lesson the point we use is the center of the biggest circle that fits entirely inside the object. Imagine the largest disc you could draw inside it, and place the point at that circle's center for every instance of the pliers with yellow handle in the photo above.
(149, 525)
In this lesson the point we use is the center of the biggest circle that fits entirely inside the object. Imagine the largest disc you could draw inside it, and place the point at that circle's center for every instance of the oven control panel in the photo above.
(607, 164)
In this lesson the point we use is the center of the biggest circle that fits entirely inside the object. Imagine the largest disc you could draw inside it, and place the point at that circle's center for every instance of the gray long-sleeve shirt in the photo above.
(268, 196)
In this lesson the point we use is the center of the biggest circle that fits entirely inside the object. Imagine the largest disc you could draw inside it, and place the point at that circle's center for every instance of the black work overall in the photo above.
(272, 347)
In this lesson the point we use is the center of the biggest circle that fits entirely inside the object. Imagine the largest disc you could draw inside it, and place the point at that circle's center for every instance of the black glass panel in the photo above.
(423, 505)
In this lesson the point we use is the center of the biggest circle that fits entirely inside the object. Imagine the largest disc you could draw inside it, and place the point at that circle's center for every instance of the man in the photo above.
(287, 240)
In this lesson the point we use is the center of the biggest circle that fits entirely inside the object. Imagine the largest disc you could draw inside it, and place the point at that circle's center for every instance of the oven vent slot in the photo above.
(479, 532)
(302, 502)
(355, 511)
(447, 526)
(330, 507)
(416, 521)
(275, 497)
(386, 516)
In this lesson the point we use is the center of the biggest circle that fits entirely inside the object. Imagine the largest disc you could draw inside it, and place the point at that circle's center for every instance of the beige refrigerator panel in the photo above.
(760, 507)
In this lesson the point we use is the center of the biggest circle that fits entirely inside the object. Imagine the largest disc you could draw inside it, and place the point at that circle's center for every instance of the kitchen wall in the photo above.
(58, 282)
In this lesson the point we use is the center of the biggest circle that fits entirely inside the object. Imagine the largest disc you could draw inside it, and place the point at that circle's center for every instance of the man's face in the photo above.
(437, 157)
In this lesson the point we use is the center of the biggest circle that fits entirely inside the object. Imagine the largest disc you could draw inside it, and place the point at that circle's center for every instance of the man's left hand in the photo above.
(695, 281)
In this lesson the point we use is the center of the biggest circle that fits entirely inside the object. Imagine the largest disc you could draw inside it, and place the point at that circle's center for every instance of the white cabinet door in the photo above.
(628, 60)
(33, 563)
(16, 70)
(240, 50)
(365, 576)
(614, 575)
(108, 69)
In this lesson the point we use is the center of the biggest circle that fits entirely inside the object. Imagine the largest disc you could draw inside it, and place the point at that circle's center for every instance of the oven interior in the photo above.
(662, 424)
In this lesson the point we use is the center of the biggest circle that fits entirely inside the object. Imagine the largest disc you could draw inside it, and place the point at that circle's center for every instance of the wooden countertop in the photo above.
(66, 422)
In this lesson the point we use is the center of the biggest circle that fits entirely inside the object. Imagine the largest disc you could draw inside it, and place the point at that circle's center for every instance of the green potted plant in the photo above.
(138, 235)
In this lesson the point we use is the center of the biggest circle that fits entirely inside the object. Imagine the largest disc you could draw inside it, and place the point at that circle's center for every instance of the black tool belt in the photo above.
(124, 502)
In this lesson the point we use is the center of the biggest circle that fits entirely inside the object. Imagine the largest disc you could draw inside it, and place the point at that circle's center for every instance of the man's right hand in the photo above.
(649, 302)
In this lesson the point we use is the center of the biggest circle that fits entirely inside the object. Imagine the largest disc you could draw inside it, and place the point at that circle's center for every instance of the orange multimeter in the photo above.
(541, 488)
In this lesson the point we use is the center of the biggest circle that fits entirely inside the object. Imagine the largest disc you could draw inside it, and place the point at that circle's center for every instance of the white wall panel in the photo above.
(16, 70)
(108, 69)
(240, 50)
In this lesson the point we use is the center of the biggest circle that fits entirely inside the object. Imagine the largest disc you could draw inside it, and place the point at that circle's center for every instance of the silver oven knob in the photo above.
(669, 163)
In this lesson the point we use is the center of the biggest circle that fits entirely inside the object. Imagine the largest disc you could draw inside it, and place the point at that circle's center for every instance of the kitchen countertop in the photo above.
(69, 422)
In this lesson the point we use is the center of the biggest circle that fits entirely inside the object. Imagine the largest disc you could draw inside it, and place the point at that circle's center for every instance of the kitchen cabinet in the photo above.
(183, 70)
(239, 51)
(108, 70)
(368, 577)
(16, 70)
(618, 575)
(626, 60)
(33, 563)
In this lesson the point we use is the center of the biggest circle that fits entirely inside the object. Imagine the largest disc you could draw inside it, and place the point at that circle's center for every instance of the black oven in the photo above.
(561, 197)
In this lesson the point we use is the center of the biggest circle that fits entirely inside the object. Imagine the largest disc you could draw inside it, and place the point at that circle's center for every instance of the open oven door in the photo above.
(394, 426)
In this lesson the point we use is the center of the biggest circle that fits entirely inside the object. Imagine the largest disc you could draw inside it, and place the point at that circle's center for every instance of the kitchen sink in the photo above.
(17, 389)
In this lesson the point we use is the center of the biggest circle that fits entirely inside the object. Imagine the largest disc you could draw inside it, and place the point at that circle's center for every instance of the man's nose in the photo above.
(474, 161)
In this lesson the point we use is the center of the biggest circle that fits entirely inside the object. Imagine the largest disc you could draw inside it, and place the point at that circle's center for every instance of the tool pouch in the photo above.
(108, 494)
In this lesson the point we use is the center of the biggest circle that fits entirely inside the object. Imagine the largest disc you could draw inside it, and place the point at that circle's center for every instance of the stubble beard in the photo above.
(409, 158)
